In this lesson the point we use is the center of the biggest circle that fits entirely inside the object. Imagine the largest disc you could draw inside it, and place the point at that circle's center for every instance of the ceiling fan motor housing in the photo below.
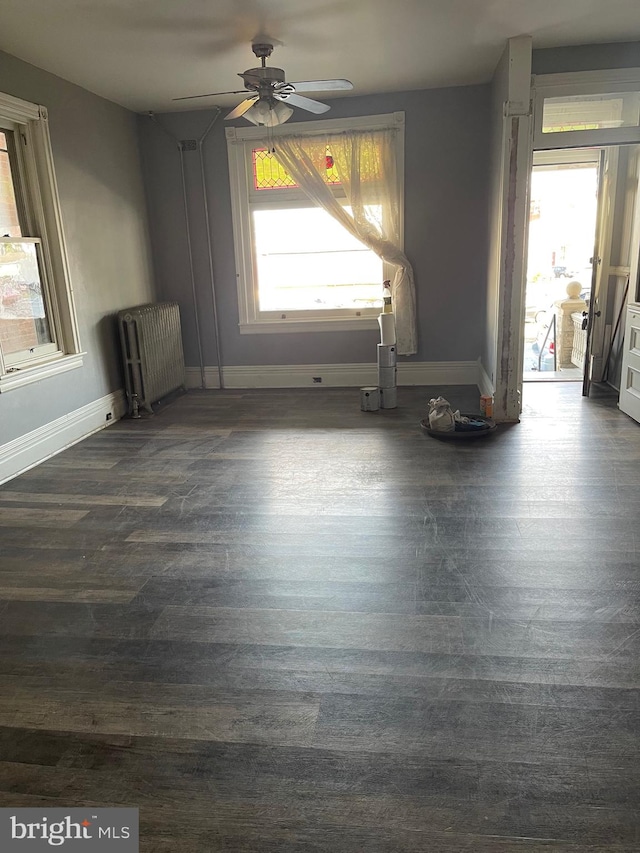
(254, 78)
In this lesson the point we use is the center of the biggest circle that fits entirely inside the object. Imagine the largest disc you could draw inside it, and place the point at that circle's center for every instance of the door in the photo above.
(616, 243)
(629, 401)
(600, 262)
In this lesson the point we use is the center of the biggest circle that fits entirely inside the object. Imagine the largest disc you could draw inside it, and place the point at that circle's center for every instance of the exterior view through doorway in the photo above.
(563, 218)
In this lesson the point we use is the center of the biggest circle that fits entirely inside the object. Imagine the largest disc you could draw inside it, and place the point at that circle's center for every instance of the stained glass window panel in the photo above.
(268, 174)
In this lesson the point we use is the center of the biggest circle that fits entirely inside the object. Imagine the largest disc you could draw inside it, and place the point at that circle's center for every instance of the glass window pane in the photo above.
(307, 261)
(9, 221)
(23, 319)
(591, 112)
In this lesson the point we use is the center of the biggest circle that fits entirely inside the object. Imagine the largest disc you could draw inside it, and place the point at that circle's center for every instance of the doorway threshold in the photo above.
(569, 374)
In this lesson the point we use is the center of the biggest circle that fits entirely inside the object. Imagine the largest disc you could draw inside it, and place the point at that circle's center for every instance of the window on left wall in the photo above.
(38, 326)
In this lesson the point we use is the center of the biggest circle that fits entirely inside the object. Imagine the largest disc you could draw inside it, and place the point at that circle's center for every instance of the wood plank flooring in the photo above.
(276, 623)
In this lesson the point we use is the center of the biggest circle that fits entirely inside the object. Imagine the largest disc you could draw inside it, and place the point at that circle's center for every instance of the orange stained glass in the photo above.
(332, 173)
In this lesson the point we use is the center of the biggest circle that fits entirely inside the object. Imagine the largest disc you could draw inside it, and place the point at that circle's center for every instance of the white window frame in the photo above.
(37, 185)
(240, 142)
(582, 83)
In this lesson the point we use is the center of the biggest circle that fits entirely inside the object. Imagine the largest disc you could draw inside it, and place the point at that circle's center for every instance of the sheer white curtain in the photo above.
(366, 164)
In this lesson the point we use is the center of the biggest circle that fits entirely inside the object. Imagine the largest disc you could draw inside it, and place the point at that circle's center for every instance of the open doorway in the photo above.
(571, 111)
(562, 232)
(584, 208)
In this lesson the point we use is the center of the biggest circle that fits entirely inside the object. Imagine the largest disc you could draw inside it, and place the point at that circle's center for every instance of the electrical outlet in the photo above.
(109, 416)
(317, 380)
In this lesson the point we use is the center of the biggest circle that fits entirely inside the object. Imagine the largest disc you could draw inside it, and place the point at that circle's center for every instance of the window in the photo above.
(298, 268)
(586, 109)
(591, 112)
(38, 331)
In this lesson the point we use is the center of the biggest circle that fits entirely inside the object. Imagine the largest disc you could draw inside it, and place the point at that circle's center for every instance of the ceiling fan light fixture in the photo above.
(270, 114)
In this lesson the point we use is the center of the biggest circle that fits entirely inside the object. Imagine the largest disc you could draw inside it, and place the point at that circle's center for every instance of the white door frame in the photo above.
(634, 244)
(513, 144)
(521, 132)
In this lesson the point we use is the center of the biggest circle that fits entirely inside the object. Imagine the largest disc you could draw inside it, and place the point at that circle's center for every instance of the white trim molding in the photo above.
(318, 126)
(344, 324)
(27, 375)
(485, 385)
(335, 375)
(18, 110)
(34, 447)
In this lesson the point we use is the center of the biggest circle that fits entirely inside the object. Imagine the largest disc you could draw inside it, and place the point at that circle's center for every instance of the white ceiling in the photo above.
(143, 53)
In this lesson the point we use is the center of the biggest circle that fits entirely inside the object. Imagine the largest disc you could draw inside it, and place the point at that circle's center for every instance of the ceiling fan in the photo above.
(271, 96)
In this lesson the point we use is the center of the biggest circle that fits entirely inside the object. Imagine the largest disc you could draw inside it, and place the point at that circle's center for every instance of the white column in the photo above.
(563, 309)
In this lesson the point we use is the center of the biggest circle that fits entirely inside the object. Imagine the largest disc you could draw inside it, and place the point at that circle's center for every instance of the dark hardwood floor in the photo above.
(276, 623)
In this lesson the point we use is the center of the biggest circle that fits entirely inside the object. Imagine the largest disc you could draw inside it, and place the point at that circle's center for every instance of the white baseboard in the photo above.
(484, 380)
(34, 447)
(335, 375)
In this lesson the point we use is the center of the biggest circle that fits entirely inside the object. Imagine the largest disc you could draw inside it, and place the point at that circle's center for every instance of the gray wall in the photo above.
(586, 57)
(98, 172)
(446, 176)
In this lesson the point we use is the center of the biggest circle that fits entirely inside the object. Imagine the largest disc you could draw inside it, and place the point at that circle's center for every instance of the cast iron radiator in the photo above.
(152, 353)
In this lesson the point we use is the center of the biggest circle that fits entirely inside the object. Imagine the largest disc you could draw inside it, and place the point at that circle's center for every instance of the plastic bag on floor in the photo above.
(465, 424)
(441, 417)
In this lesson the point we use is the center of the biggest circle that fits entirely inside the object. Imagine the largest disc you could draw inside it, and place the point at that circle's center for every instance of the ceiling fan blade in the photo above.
(210, 95)
(241, 109)
(304, 103)
(322, 85)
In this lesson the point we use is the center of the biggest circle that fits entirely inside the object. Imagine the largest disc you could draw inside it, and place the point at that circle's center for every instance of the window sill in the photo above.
(350, 324)
(27, 375)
